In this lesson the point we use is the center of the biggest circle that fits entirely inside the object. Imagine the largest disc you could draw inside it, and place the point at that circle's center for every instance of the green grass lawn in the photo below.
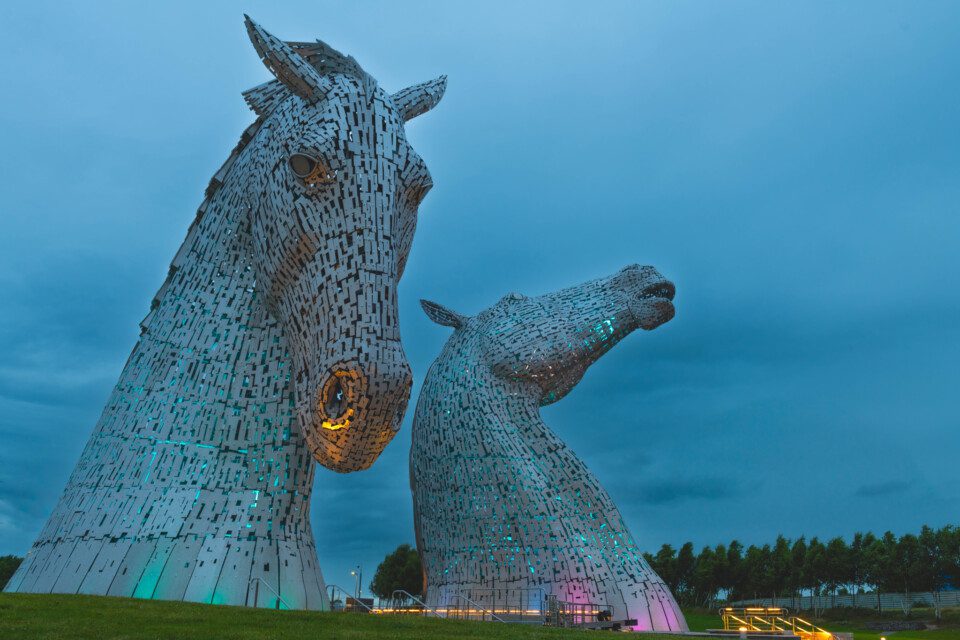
(60, 617)
(29, 617)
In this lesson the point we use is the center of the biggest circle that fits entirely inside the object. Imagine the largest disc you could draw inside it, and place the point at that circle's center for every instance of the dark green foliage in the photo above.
(911, 563)
(399, 570)
(8, 565)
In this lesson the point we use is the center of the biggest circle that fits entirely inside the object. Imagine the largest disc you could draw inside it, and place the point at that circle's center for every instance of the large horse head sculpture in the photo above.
(333, 189)
(273, 342)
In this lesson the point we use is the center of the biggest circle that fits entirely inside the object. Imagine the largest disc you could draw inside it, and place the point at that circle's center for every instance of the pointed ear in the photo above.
(286, 65)
(264, 98)
(420, 98)
(441, 315)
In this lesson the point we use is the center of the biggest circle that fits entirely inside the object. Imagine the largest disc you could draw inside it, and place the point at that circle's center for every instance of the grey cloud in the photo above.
(807, 218)
(883, 489)
(676, 491)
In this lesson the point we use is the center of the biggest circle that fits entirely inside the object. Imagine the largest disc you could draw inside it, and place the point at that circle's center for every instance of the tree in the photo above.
(936, 561)
(703, 580)
(721, 569)
(911, 563)
(8, 566)
(858, 561)
(815, 572)
(665, 566)
(906, 567)
(734, 585)
(686, 564)
(758, 577)
(798, 554)
(838, 565)
(399, 570)
(780, 568)
(879, 561)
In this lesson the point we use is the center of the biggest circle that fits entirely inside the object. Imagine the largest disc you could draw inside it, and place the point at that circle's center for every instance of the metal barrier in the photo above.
(256, 592)
(508, 606)
(471, 611)
(774, 621)
(424, 608)
(348, 599)
(883, 601)
(561, 613)
(525, 605)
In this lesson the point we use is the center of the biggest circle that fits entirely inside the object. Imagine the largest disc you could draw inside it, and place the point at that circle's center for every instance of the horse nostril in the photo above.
(335, 402)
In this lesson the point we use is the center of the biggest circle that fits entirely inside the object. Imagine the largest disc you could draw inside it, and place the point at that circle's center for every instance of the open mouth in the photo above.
(654, 305)
(659, 290)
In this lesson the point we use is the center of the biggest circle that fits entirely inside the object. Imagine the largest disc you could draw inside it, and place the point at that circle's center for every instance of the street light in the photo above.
(358, 574)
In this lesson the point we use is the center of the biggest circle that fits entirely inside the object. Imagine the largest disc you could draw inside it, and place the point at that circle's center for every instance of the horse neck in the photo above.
(459, 378)
(210, 355)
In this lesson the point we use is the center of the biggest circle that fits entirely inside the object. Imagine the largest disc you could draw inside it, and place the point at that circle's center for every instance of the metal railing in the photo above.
(256, 592)
(515, 605)
(883, 601)
(410, 596)
(772, 621)
(561, 613)
(474, 609)
(348, 599)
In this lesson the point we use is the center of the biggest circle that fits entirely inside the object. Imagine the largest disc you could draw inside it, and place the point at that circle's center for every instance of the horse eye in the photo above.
(302, 165)
(311, 170)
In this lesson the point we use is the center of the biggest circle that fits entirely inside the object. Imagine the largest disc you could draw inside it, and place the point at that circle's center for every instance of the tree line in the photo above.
(911, 563)
(8, 566)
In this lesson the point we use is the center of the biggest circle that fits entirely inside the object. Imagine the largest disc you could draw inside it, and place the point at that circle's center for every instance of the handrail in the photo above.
(275, 592)
(355, 600)
(480, 607)
(570, 612)
(524, 594)
(425, 606)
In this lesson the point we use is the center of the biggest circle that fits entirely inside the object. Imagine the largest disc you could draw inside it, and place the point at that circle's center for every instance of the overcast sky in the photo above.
(793, 167)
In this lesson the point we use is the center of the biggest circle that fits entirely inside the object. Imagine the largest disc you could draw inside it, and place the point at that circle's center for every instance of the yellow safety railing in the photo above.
(772, 621)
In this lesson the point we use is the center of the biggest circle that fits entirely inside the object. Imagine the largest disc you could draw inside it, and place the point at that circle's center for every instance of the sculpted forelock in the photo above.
(273, 343)
(504, 511)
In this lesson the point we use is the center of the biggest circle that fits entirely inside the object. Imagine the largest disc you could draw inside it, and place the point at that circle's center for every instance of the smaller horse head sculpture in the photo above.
(332, 188)
(548, 342)
(539, 521)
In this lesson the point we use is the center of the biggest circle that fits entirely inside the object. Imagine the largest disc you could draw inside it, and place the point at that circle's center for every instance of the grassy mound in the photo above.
(60, 617)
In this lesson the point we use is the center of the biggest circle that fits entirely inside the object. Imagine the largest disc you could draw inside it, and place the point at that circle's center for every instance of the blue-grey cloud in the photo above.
(676, 491)
(883, 489)
(791, 167)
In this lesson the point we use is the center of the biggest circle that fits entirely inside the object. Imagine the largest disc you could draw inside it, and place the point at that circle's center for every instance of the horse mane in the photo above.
(212, 187)
(262, 100)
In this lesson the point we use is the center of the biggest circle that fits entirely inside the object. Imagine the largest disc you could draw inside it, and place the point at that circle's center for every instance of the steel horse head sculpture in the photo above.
(504, 511)
(274, 342)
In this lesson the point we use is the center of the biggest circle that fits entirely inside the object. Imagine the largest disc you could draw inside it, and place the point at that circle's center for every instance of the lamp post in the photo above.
(358, 574)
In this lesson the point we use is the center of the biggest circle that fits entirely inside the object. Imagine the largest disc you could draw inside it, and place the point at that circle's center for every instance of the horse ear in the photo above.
(441, 315)
(286, 65)
(264, 98)
(420, 98)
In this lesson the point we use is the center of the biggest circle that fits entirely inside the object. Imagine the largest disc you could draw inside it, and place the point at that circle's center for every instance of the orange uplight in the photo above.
(341, 423)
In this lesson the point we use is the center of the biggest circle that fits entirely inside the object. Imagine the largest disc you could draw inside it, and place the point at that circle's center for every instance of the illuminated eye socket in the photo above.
(336, 403)
(310, 169)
